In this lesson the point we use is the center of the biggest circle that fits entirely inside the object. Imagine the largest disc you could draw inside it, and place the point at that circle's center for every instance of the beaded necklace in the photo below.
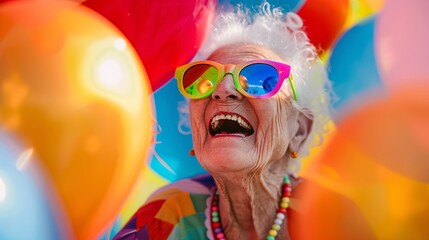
(280, 216)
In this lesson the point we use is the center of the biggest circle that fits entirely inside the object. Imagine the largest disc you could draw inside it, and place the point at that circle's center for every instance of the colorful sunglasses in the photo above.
(255, 79)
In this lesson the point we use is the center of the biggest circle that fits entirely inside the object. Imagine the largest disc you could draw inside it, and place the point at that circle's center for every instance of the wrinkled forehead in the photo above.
(242, 52)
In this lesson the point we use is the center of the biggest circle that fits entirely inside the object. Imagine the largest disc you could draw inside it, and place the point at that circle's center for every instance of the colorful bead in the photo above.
(278, 221)
(272, 233)
(281, 210)
(276, 227)
(219, 235)
(286, 178)
(284, 205)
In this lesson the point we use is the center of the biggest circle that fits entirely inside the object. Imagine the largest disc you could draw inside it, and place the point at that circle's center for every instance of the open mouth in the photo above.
(230, 124)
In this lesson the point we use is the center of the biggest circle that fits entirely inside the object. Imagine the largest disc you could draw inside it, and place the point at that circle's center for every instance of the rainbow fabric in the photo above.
(176, 211)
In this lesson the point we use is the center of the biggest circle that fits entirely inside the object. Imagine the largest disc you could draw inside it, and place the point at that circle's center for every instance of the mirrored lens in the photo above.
(200, 79)
(258, 79)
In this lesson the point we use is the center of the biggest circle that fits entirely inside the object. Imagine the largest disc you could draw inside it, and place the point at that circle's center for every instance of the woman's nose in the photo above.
(225, 90)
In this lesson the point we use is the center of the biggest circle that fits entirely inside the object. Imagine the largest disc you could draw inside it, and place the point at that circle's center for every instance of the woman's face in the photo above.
(260, 130)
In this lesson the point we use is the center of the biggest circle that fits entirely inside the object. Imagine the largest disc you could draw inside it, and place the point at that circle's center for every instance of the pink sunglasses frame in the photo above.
(282, 69)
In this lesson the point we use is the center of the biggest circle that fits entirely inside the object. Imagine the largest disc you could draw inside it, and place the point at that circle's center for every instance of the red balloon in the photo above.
(165, 34)
(324, 20)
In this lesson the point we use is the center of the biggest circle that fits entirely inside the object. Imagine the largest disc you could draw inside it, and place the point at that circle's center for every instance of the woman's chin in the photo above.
(230, 142)
(228, 153)
(225, 160)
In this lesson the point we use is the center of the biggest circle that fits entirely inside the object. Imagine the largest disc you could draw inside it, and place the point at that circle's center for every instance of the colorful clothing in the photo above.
(177, 211)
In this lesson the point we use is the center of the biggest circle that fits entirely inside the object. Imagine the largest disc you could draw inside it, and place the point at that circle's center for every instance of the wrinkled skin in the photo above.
(248, 170)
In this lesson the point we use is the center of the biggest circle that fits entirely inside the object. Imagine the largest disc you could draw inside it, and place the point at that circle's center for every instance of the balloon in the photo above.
(376, 5)
(253, 5)
(27, 210)
(377, 162)
(324, 213)
(166, 34)
(171, 158)
(324, 20)
(4, 1)
(73, 89)
(399, 139)
(352, 66)
(401, 41)
(358, 10)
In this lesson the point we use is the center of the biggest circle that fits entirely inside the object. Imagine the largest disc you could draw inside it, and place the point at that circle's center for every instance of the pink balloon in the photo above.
(401, 43)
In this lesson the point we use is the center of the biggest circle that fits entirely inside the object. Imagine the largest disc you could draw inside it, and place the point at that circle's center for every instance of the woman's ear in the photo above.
(305, 124)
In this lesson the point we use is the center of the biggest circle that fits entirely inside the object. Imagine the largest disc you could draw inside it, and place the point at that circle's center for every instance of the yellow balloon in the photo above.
(73, 88)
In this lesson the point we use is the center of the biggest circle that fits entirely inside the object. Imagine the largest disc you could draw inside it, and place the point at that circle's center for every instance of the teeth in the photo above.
(241, 122)
(214, 124)
(215, 120)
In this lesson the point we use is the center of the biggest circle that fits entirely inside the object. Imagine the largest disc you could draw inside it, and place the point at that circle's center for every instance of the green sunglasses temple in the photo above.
(292, 86)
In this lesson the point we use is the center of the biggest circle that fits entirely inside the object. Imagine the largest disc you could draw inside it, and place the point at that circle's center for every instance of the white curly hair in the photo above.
(284, 35)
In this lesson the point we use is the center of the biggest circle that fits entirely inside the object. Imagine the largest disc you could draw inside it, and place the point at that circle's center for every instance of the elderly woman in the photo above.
(256, 106)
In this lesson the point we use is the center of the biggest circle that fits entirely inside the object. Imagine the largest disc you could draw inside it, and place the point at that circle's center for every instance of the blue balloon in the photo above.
(352, 64)
(252, 5)
(26, 212)
(171, 158)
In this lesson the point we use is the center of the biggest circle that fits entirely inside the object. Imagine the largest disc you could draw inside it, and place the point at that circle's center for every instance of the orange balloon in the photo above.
(74, 89)
(394, 131)
(373, 172)
(324, 214)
